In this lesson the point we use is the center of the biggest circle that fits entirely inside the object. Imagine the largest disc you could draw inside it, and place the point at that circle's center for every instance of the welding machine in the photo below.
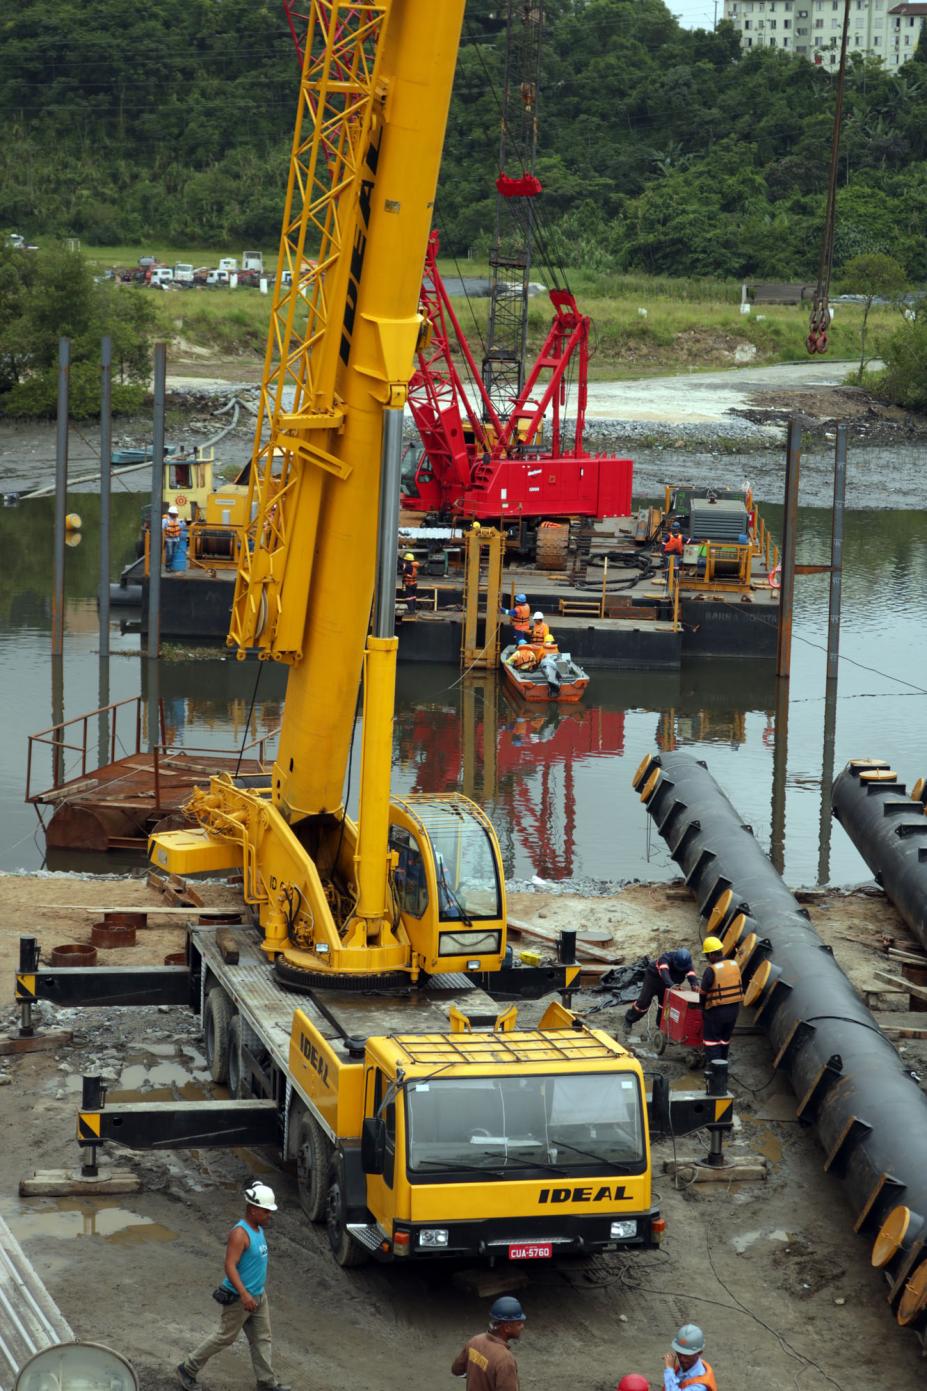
(680, 1020)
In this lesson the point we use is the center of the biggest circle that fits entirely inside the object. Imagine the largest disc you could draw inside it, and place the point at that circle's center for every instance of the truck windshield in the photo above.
(589, 1123)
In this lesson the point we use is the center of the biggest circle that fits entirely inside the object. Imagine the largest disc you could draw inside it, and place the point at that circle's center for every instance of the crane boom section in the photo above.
(374, 94)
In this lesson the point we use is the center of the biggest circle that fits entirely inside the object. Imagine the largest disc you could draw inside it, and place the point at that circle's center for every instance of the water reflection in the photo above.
(556, 782)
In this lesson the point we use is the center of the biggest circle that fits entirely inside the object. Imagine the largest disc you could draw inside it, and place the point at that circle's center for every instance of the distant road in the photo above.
(706, 398)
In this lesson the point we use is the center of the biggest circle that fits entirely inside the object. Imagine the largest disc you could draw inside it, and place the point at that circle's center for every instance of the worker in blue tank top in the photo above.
(242, 1295)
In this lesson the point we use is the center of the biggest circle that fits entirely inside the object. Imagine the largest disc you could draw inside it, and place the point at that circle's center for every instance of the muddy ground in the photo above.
(771, 1270)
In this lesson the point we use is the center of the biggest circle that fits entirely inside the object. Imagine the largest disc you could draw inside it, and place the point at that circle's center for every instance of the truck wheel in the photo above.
(234, 1063)
(346, 1251)
(217, 1016)
(313, 1154)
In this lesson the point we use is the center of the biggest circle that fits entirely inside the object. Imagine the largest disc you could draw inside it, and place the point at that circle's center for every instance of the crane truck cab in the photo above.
(512, 1144)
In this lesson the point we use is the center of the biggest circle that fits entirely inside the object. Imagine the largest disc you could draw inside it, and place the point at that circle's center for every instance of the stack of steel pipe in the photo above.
(869, 1113)
(889, 829)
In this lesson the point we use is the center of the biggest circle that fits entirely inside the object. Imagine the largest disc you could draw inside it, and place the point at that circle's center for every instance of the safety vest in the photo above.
(173, 528)
(539, 632)
(707, 1377)
(410, 574)
(727, 988)
(673, 545)
(521, 618)
(524, 657)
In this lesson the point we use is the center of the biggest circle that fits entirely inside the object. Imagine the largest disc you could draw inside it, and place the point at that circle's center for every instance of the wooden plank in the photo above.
(908, 987)
(583, 952)
(892, 1031)
(907, 958)
(35, 1043)
(228, 947)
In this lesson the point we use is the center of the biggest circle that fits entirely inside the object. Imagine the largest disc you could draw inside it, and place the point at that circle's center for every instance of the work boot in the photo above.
(277, 1386)
(630, 1020)
(186, 1379)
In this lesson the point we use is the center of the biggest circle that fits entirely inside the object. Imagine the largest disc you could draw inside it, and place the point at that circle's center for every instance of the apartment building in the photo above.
(813, 28)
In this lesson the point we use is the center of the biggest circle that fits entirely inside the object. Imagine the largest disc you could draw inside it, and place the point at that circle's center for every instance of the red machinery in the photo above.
(475, 464)
(680, 1020)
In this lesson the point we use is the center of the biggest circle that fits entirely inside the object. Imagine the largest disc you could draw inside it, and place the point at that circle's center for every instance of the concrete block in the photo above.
(56, 1183)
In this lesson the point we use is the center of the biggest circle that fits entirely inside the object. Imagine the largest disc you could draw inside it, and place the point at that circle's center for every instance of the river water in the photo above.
(557, 784)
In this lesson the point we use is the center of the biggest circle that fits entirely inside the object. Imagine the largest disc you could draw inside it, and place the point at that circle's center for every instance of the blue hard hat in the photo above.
(521, 598)
(682, 959)
(507, 1310)
(522, 642)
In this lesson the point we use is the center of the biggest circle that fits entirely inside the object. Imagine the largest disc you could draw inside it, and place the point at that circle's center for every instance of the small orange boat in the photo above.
(556, 679)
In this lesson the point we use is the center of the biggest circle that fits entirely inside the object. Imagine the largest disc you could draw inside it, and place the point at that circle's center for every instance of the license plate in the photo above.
(531, 1251)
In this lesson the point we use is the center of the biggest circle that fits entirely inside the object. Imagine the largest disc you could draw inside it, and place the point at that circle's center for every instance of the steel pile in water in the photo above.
(889, 829)
(851, 1084)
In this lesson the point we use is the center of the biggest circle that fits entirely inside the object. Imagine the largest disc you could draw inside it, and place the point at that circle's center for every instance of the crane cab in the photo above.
(448, 883)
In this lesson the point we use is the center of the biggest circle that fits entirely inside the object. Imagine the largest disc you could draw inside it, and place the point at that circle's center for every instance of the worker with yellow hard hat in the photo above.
(410, 581)
(721, 992)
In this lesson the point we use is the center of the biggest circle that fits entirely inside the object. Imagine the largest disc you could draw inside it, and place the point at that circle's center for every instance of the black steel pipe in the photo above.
(889, 829)
(851, 1084)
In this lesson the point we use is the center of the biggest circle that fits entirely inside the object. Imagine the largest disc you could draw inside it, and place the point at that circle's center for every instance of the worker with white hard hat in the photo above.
(685, 1367)
(242, 1295)
(539, 629)
(173, 528)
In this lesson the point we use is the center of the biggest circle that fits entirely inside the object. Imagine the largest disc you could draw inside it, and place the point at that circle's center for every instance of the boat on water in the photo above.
(125, 458)
(556, 678)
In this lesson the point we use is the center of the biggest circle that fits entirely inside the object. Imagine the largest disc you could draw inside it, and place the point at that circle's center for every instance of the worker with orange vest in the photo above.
(520, 615)
(524, 658)
(674, 543)
(721, 992)
(685, 1366)
(539, 629)
(410, 581)
(172, 528)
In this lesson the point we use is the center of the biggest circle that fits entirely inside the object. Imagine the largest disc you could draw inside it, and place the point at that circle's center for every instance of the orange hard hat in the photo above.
(633, 1382)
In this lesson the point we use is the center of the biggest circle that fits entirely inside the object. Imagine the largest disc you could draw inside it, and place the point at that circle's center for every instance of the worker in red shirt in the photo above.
(486, 1360)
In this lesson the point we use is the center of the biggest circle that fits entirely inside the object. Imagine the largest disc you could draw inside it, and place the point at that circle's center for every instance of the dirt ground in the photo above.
(772, 1271)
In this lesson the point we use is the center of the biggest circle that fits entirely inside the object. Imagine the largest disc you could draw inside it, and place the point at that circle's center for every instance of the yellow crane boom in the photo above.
(335, 899)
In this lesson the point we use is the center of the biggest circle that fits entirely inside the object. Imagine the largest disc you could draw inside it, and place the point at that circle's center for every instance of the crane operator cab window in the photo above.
(465, 865)
(409, 877)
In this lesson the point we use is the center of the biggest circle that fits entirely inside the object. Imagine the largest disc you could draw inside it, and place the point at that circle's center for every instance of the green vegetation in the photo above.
(50, 294)
(662, 151)
(904, 378)
(874, 276)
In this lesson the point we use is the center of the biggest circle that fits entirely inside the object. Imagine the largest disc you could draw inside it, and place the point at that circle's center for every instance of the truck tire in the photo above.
(217, 1017)
(313, 1159)
(234, 1062)
(346, 1251)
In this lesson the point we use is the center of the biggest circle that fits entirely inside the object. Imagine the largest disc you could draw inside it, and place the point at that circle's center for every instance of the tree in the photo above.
(874, 276)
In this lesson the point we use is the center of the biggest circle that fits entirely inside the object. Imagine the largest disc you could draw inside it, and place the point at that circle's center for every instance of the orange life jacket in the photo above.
(524, 657)
(521, 618)
(539, 631)
(173, 528)
(727, 988)
(707, 1377)
(410, 574)
(673, 544)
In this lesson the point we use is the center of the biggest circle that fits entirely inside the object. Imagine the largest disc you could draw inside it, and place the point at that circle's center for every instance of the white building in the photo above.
(813, 27)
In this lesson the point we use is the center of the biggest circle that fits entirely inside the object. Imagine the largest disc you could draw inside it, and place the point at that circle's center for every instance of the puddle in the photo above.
(67, 1218)
(745, 1240)
(689, 1082)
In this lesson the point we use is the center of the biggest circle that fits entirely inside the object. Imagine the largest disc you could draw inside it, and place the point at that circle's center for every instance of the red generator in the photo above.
(680, 1020)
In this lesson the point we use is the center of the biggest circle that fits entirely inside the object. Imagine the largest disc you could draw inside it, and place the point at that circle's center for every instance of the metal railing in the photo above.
(74, 736)
(60, 738)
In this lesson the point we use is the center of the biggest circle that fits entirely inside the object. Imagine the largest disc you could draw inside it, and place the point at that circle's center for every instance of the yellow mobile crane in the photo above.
(426, 1124)
(415, 885)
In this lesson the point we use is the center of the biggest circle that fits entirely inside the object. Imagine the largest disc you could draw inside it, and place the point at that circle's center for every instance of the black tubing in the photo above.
(870, 1116)
(889, 829)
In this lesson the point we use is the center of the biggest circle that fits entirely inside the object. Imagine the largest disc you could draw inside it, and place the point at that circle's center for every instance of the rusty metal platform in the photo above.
(117, 804)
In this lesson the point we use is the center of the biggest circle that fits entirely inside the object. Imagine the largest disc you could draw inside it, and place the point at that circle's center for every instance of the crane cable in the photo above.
(816, 342)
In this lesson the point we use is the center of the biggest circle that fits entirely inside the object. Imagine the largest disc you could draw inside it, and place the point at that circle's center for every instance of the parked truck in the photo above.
(432, 1124)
